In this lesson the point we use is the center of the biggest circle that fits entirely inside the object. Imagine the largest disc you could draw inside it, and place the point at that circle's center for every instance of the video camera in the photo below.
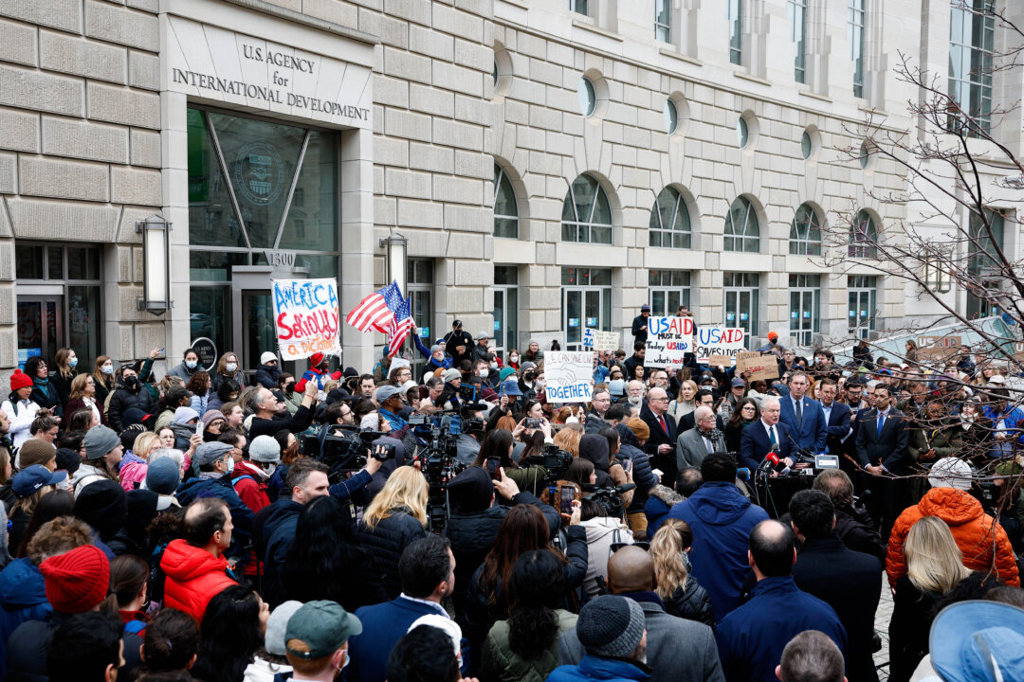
(438, 436)
(345, 449)
(554, 460)
(610, 498)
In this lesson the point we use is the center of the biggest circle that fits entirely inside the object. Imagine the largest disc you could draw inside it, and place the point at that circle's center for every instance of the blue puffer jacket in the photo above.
(721, 520)
(594, 668)
(22, 598)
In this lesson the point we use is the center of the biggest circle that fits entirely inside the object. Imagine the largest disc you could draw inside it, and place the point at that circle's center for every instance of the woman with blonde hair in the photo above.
(227, 370)
(103, 373)
(135, 463)
(682, 594)
(936, 577)
(568, 439)
(395, 518)
(685, 402)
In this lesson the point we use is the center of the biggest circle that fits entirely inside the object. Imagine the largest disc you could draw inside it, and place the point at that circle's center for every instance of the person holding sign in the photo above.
(640, 324)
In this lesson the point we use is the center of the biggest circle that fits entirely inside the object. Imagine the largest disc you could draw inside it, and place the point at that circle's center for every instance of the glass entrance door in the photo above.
(741, 291)
(582, 308)
(40, 327)
(252, 313)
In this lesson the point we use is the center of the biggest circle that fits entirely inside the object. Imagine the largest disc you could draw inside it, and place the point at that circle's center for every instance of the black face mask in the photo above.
(131, 382)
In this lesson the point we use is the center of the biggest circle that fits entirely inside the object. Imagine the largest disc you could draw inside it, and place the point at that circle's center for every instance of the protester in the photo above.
(612, 633)
(682, 594)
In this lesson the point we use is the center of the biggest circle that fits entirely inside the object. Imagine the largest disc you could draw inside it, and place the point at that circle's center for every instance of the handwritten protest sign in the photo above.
(761, 367)
(600, 340)
(937, 347)
(569, 375)
(723, 342)
(306, 317)
(669, 339)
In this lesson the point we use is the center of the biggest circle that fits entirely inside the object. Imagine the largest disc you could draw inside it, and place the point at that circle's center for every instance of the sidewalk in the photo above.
(882, 616)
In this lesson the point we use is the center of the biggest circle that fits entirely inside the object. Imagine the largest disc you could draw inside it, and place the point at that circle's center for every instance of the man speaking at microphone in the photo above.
(766, 436)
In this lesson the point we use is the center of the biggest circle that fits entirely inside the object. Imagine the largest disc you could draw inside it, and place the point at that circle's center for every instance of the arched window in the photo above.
(506, 209)
(805, 232)
(742, 232)
(586, 213)
(863, 237)
(670, 221)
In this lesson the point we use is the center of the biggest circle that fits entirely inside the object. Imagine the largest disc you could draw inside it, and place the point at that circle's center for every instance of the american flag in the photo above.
(386, 311)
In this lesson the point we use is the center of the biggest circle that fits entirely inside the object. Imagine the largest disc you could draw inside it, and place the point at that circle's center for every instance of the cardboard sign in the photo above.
(720, 341)
(669, 339)
(938, 347)
(306, 317)
(1018, 350)
(600, 340)
(762, 367)
(569, 375)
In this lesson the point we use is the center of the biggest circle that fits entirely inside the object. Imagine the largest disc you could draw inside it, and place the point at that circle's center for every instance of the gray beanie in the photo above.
(264, 449)
(208, 453)
(162, 476)
(610, 626)
(273, 640)
(99, 440)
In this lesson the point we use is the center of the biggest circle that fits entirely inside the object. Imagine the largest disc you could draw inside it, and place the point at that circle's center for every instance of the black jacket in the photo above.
(666, 463)
(848, 581)
(691, 603)
(274, 532)
(47, 396)
(638, 333)
(857, 531)
(295, 423)
(267, 376)
(386, 542)
(125, 399)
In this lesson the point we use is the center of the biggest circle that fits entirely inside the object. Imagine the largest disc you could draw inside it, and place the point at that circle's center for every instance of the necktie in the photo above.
(771, 435)
(881, 423)
(664, 426)
(707, 444)
(799, 414)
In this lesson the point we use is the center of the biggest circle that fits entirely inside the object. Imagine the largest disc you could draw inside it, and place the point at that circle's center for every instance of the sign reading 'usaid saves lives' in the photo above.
(217, 64)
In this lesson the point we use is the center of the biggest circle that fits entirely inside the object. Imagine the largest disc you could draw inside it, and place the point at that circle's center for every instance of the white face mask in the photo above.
(107, 369)
(494, 365)
(483, 373)
(231, 366)
(191, 364)
(513, 358)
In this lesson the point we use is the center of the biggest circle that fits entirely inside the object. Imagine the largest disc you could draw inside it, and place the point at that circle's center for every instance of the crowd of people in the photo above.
(436, 518)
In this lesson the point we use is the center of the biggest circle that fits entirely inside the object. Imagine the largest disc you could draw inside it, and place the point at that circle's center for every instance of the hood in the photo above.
(955, 507)
(665, 494)
(21, 585)
(595, 448)
(718, 504)
(601, 527)
(183, 562)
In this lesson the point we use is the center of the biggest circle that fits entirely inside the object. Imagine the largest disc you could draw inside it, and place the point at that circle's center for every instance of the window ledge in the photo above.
(517, 3)
(814, 95)
(587, 25)
(753, 79)
(674, 54)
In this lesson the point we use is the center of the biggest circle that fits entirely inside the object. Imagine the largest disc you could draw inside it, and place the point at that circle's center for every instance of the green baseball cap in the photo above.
(323, 626)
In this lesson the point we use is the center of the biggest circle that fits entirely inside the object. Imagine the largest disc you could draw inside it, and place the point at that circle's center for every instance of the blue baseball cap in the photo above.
(30, 479)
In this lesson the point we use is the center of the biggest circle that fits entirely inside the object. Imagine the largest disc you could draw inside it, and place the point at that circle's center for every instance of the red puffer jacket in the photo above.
(194, 577)
(983, 541)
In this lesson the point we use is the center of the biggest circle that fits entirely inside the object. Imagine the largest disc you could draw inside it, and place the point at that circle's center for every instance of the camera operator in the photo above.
(467, 447)
(475, 520)
(496, 452)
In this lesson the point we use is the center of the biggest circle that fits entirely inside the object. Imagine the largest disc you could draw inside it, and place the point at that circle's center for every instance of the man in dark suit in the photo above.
(837, 416)
(427, 570)
(765, 436)
(705, 396)
(844, 579)
(802, 415)
(882, 440)
(661, 446)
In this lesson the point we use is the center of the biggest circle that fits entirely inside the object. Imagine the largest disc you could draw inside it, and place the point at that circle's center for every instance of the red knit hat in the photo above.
(78, 580)
(317, 359)
(20, 380)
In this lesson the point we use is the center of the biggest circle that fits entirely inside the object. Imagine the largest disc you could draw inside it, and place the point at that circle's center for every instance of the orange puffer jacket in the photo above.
(982, 540)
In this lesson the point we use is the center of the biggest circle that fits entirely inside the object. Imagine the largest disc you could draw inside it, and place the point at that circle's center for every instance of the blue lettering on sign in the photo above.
(578, 392)
(308, 295)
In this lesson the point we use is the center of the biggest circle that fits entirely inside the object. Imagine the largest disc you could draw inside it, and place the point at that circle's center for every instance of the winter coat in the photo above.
(182, 372)
(124, 399)
(692, 603)
(46, 395)
(500, 664)
(857, 531)
(133, 472)
(85, 474)
(272, 543)
(660, 500)
(250, 485)
(975, 533)
(20, 420)
(241, 515)
(602, 533)
(28, 646)
(592, 668)
(721, 520)
(22, 598)
(268, 376)
(78, 404)
(194, 577)
(217, 379)
(386, 542)
(200, 403)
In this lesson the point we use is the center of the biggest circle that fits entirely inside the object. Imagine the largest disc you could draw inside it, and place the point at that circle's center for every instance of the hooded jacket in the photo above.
(983, 542)
(22, 598)
(721, 520)
(268, 375)
(595, 448)
(660, 501)
(387, 540)
(602, 533)
(124, 399)
(194, 577)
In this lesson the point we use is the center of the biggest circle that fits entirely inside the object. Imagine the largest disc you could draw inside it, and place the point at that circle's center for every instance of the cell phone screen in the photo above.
(567, 494)
(627, 465)
(494, 469)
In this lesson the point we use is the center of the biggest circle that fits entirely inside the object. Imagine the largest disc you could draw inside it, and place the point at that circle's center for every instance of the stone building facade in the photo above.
(288, 138)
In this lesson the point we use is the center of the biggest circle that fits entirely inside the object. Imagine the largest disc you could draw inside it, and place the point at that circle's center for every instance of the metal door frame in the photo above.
(45, 293)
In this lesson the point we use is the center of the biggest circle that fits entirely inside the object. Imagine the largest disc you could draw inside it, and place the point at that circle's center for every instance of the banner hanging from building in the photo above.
(569, 376)
(306, 317)
(718, 345)
(669, 339)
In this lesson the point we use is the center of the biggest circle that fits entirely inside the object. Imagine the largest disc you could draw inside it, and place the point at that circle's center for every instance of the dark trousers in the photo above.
(887, 499)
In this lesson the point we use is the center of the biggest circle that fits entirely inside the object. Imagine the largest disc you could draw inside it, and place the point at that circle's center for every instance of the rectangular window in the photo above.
(862, 292)
(669, 289)
(506, 307)
(971, 43)
(804, 298)
(984, 264)
(798, 33)
(855, 34)
(420, 292)
(740, 291)
(734, 13)
(580, 7)
(663, 20)
(586, 302)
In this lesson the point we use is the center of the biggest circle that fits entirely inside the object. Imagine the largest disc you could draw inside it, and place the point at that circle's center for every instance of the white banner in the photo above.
(669, 339)
(600, 340)
(718, 345)
(306, 317)
(569, 376)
